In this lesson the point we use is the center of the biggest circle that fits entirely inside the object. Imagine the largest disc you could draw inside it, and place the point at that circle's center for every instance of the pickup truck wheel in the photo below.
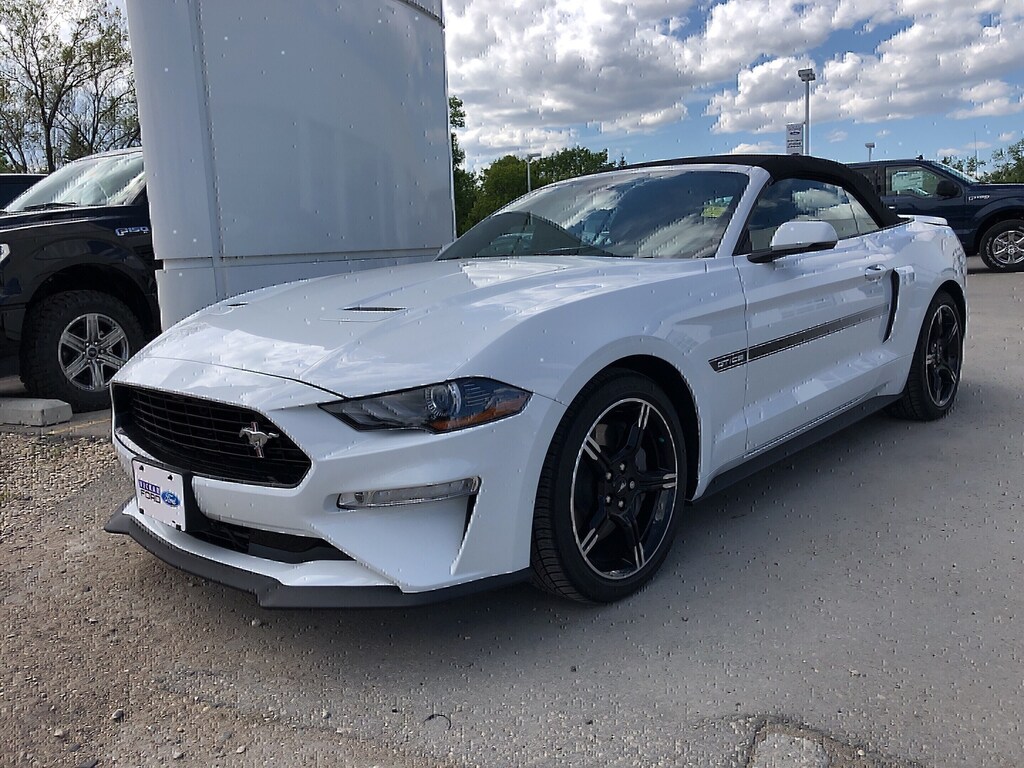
(1002, 246)
(73, 344)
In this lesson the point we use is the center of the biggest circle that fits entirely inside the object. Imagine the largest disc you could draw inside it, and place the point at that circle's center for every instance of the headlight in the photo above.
(5, 251)
(437, 408)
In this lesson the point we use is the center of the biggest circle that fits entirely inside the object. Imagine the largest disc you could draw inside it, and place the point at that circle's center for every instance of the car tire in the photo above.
(935, 370)
(611, 491)
(1002, 246)
(73, 343)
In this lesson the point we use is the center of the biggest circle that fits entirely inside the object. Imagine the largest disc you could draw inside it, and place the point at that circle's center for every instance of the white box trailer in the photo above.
(285, 140)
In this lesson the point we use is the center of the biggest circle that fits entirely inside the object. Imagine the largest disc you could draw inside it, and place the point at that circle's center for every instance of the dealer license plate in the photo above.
(160, 493)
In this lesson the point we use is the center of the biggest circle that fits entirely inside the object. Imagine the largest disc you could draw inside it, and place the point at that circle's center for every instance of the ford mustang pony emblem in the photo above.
(257, 439)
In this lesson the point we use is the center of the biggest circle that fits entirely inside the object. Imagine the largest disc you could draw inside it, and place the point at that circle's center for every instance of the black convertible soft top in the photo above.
(803, 167)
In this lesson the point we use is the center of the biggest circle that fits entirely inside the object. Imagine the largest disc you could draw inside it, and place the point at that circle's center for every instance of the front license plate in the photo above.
(160, 493)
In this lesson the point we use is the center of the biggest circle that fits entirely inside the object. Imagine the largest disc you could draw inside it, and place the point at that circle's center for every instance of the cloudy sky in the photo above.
(650, 79)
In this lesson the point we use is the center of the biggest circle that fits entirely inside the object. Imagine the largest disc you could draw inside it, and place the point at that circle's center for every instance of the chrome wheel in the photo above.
(943, 356)
(1007, 248)
(91, 350)
(624, 486)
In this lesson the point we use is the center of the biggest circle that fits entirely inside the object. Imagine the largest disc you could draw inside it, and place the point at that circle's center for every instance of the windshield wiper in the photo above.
(578, 250)
(47, 206)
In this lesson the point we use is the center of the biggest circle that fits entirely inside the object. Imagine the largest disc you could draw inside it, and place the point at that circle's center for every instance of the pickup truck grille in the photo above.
(204, 437)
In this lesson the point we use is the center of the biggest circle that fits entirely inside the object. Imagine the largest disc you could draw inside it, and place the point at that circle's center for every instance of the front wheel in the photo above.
(935, 370)
(1002, 246)
(73, 344)
(611, 491)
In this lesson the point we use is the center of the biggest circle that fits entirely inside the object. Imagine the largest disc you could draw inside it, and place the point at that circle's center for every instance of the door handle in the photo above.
(875, 272)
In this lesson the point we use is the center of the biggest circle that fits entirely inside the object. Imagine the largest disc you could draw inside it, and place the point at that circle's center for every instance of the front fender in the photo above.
(685, 321)
(997, 210)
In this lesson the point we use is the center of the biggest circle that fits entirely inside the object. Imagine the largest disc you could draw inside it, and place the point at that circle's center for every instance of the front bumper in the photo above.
(271, 593)
(406, 554)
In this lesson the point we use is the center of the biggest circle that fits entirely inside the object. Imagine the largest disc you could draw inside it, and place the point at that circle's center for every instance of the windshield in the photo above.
(108, 180)
(664, 213)
(958, 173)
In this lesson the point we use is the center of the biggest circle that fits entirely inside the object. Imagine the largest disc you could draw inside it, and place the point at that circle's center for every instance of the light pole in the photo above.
(870, 145)
(529, 159)
(807, 75)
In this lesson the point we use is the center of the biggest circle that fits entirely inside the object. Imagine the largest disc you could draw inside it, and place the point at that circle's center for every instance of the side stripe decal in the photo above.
(743, 356)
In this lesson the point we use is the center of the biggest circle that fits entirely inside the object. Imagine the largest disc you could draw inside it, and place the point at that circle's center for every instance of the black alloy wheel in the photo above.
(934, 377)
(944, 355)
(610, 492)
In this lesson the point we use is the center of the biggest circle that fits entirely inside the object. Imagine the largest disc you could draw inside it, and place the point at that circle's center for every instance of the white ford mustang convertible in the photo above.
(544, 398)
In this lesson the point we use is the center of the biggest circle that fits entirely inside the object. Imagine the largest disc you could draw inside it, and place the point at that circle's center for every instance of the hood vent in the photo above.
(361, 314)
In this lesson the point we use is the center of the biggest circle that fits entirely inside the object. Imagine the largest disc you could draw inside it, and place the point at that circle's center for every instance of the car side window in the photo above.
(911, 181)
(805, 200)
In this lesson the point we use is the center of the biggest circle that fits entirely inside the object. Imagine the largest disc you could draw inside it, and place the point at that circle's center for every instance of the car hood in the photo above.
(997, 190)
(16, 220)
(384, 329)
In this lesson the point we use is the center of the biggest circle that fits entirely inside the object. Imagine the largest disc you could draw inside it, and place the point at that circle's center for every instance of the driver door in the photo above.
(815, 321)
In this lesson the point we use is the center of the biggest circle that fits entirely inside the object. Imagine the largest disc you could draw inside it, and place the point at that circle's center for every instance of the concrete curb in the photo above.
(33, 411)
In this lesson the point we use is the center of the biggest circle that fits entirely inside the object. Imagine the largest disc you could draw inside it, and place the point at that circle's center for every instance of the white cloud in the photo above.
(969, 148)
(560, 63)
(760, 148)
(643, 122)
(1008, 136)
(837, 136)
(907, 75)
(539, 70)
(992, 108)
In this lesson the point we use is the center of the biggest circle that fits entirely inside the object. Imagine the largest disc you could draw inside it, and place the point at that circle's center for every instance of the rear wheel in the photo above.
(73, 344)
(935, 371)
(1002, 246)
(611, 491)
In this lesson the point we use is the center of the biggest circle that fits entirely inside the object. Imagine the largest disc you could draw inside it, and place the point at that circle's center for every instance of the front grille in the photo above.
(202, 437)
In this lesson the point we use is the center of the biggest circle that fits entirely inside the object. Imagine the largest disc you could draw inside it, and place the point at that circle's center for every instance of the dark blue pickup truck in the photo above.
(77, 285)
(988, 218)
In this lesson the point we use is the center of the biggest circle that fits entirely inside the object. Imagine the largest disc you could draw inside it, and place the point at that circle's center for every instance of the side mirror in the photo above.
(798, 237)
(947, 188)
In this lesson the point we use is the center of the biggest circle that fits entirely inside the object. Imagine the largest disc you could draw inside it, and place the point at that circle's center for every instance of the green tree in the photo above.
(970, 165)
(505, 179)
(465, 183)
(500, 183)
(456, 119)
(65, 81)
(1008, 165)
(569, 163)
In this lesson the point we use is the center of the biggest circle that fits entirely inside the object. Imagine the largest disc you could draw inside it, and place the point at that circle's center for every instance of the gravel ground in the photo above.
(39, 475)
(90, 675)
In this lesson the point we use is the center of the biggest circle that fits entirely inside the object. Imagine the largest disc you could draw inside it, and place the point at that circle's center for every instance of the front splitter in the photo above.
(270, 593)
